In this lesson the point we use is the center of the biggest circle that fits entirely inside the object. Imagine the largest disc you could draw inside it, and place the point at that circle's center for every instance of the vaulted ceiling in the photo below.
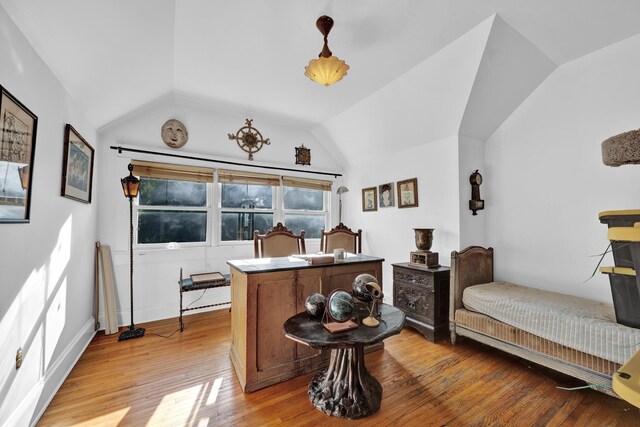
(115, 56)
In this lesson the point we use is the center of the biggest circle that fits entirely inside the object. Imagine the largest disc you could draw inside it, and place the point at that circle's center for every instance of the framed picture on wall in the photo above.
(369, 199)
(17, 152)
(385, 193)
(408, 193)
(77, 166)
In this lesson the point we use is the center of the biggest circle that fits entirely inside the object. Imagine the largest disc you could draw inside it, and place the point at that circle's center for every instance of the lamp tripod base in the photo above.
(131, 333)
(370, 321)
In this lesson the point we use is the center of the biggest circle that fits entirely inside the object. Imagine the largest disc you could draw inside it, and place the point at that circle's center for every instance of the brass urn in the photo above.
(424, 238)
(423, 257)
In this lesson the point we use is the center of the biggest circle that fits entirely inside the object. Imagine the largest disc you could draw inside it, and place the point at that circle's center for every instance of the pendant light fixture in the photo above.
(327, 69)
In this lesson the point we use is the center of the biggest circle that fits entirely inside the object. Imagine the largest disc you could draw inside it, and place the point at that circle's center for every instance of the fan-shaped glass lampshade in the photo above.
(326, 71)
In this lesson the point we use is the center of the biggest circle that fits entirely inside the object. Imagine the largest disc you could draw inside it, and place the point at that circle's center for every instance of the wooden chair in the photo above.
(278, 242)
(341, 237)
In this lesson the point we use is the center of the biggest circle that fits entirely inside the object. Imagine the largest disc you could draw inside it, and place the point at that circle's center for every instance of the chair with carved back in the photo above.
(341, 236)
(278, 242)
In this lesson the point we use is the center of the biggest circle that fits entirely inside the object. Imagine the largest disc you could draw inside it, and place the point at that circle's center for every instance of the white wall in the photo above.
(470, 158)
(388, 232)
(409, 129)
(47, 265)
(156, 271)
(545, 181)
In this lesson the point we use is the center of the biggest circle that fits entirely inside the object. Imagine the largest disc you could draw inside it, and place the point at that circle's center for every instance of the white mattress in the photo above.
(579, 323)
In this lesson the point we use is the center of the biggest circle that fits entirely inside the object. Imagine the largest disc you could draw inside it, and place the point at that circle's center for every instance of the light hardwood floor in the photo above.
(188, 380)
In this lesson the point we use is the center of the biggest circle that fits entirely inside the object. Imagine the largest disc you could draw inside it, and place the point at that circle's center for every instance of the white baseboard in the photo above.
(165, 311)
(29, 411)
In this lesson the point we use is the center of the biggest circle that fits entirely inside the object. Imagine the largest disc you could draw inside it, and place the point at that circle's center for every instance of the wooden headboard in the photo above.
(470, 266)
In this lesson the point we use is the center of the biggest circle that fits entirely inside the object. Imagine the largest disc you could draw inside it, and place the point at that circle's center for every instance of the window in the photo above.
(246, 204)
(304, 209)
(173, 203)
(172, 211)
(245, 208)
(304, 203)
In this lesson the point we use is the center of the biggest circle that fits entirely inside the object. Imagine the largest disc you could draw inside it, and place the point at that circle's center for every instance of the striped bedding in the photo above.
(578, 323)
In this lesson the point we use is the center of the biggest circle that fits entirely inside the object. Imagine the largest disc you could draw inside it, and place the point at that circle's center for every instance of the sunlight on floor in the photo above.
(215, 389)
(187, 402)
(166, 410)
(111, 419)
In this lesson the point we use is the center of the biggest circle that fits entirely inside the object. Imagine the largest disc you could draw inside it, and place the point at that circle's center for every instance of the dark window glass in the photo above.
(302, 198)
(164, 226)
(241, 225)
(311, 224)
(246, 196)
(165, 192)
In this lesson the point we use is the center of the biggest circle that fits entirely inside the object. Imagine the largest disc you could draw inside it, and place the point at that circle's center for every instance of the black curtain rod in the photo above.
(183, 156)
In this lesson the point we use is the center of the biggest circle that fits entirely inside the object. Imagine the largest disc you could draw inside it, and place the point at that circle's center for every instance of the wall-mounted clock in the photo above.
(475, 204)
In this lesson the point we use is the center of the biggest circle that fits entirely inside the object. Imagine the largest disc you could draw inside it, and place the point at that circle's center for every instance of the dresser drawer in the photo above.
(412, 277)
(415, 300)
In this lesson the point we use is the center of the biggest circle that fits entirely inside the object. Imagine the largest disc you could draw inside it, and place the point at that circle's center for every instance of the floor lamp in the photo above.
(130, 186)
(340, 191)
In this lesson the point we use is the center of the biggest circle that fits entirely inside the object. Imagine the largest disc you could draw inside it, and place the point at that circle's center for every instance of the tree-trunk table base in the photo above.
(346, 389)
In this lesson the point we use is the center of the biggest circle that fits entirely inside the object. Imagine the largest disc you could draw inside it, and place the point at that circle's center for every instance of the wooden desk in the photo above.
(346, 389)
(265, 292)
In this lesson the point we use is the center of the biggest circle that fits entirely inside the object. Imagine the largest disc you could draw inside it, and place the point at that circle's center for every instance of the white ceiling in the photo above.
(114, 56)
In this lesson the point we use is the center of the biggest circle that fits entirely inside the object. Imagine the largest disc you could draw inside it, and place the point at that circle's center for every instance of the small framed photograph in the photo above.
(77, 166)
(17, 152)
(386, 195)
(369, 199)
(408, 193)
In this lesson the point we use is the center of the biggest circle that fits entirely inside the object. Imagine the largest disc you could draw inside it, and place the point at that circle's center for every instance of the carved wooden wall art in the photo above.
(303, 155)
(249, 139)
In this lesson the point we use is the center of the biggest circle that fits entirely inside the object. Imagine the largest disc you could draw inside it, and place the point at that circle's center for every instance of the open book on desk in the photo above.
(317, 258)
(207, 277)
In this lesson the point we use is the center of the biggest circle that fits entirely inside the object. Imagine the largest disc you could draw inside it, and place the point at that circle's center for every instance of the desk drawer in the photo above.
(411, 277)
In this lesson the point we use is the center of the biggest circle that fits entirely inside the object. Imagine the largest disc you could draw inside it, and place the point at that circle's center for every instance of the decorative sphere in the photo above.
(340, 305)
(315, 304)
(360, 288)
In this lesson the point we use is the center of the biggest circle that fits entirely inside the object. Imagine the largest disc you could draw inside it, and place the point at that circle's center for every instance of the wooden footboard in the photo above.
(471, 266)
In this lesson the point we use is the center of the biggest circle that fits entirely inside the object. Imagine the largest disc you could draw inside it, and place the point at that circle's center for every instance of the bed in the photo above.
(572, 335)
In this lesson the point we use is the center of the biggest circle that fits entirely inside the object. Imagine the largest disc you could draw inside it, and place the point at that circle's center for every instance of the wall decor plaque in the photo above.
(17, 153)
(408, 193)
(369, 199)
(77, 166)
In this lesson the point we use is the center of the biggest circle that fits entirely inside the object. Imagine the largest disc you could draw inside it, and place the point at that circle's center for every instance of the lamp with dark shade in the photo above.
(130, 186)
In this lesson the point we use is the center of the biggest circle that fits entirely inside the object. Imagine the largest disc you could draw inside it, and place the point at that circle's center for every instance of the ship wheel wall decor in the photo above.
(249, 139)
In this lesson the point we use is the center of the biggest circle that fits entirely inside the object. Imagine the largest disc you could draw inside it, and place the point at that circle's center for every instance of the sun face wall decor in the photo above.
(249, 139)
(174, 133)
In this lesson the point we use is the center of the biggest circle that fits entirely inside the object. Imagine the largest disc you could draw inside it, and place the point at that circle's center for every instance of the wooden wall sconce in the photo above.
(476, 203)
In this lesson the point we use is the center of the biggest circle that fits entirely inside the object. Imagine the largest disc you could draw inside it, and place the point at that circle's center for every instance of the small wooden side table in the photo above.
(187, 285)
(345, 389)
(423, 294)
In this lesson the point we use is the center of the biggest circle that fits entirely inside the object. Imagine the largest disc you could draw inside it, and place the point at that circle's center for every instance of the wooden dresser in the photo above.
(423, 294)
